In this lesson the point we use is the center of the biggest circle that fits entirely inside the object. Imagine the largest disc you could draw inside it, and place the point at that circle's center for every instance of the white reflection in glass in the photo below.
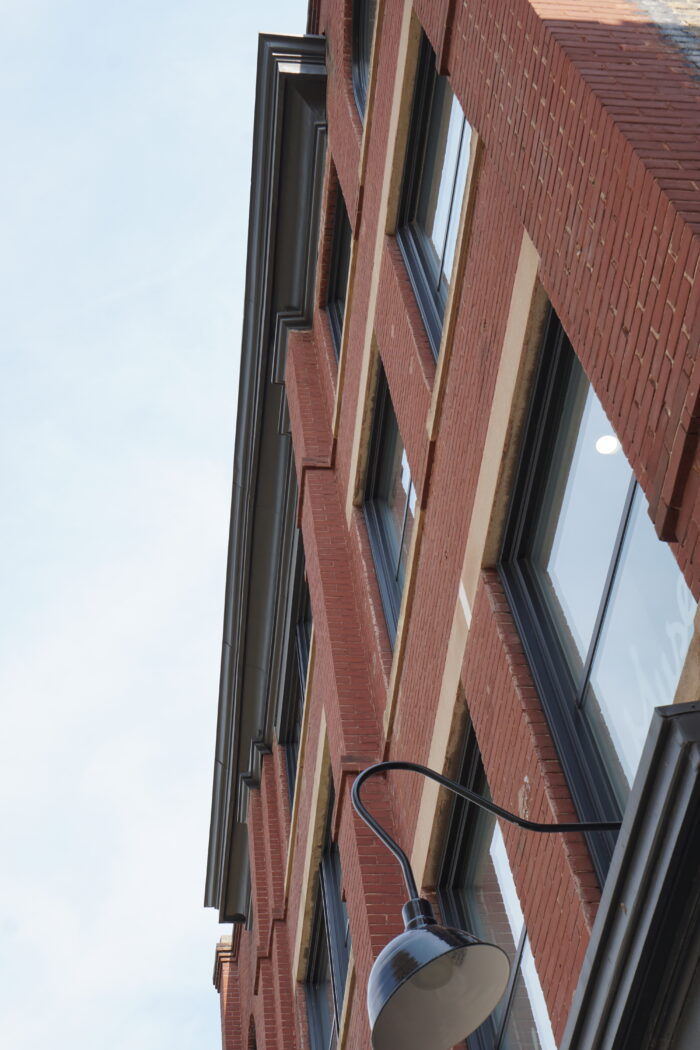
(445, 167)
(441, 193)
(460, 181)
(607, 445)
(516, 921)
(589, 516)
(409, 512)
(645, 638)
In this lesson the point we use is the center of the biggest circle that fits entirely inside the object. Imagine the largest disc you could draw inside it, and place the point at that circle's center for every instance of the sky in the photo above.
(124, 187)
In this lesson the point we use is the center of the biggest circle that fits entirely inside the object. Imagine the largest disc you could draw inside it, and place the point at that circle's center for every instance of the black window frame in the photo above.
(592, 786)
(296, 668)
(455, 909)
(338, 274)
(329, 953)
(323, 1032)
(413, 242)
(377, 515)
(363, 17)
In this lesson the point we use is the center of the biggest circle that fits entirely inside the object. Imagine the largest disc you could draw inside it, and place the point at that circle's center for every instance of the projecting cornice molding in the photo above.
(289, 139)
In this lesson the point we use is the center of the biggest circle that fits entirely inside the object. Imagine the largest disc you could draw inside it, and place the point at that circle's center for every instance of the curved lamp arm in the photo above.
(457, 789)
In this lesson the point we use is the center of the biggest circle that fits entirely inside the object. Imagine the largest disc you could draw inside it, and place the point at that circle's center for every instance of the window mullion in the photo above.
(510, 989)
(607, 591)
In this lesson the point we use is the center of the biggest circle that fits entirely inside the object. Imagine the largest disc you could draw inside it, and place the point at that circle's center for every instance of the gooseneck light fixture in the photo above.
(432, 986)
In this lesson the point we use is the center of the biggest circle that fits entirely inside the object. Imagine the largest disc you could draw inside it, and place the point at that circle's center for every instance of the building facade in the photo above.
(465, 518)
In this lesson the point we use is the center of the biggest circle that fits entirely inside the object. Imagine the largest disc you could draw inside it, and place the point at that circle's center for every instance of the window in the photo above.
(339, 272)
(604, 614)
(477, 893)
(296, 669)
(363, 12)
(390, 503)
(330, 949)
(435, 176)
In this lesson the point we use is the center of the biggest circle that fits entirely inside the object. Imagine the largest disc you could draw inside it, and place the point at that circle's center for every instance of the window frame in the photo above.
(364, 13)
(454, 907)
(322, 1029)
(591, 785)
(330, 924)
(341, 251)
(296, 668)
(377, 515)
(414, 242)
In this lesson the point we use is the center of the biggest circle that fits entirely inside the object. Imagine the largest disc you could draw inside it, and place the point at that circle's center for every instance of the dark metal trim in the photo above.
(644, 953)
(289, 137)
(463, 792)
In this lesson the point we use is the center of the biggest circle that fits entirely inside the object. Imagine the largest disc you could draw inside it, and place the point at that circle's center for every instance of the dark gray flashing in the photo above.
(286, 182)
(638, 984)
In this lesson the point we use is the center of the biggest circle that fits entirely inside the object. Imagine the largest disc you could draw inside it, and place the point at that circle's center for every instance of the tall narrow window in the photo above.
(339, 271)
(330, 949)
(603, 610)
(296, 669)
(477, 893)
(390, 503)
(363, 14)
(319, 987)
(435, 176)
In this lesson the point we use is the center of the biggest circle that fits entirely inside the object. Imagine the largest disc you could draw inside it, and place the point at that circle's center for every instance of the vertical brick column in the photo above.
(226, 984)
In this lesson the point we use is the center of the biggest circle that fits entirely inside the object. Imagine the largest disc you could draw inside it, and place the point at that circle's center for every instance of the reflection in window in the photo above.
(643, 640)
(603, 610)
(477, 893)
(390, 503)
(435, 177)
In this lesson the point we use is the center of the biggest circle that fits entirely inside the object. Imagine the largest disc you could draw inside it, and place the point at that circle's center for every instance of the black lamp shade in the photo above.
(431, 987)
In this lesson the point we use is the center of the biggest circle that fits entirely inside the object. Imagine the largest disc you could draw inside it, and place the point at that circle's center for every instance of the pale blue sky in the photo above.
(124, 194)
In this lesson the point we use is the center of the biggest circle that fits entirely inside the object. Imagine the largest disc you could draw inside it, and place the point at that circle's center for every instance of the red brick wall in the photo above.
(589, 123)
(591, 117)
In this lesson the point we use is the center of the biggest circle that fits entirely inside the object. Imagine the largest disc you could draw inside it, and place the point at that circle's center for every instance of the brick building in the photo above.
(465, 517)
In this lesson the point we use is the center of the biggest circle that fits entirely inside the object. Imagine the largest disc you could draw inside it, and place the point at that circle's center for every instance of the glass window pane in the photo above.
(391, 490)
(409, 512)
(528, 1026)
(581, 514)
(647, 629)
(363, 28)
(458, 195)
(344, 233)
(321, 1009)
(440, 164)
(487, 909)
(511, 902)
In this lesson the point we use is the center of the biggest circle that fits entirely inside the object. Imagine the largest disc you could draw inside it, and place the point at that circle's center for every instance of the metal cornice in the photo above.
(287, 166)
(639, 981)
